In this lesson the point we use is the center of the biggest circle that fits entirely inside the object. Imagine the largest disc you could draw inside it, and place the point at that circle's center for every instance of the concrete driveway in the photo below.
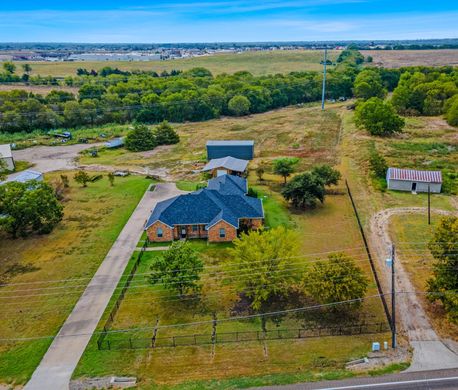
(59, 362)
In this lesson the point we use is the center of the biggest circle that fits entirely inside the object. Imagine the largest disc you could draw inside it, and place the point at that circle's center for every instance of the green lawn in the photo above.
(93, 218)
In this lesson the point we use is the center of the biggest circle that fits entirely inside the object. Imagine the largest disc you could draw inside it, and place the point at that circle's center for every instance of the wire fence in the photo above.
(369, 255)
(121, 295)
(127, 341)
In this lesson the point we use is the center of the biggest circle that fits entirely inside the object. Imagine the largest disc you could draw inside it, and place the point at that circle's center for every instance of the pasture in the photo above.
(256, 62)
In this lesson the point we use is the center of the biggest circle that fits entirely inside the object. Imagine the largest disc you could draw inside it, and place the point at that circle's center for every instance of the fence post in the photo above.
(130, 342)
(173, 341)
(109, 344)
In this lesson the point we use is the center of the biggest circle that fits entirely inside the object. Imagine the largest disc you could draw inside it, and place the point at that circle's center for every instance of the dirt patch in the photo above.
(38, 89)
(400, 58)
(156, 150)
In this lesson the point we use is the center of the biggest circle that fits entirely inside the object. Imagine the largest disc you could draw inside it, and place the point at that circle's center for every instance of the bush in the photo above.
(378, 117)
(239, 105)
(141, 138)
(165, 134)
(452, 113)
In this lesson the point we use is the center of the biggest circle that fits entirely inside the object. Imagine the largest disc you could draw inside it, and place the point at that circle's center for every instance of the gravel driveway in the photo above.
(53, 158)
(430, 352)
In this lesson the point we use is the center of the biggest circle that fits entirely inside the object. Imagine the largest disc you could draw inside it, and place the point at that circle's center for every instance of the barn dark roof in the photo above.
(414, 175)
(224, 199)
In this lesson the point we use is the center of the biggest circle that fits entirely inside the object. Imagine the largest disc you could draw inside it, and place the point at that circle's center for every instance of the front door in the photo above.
(414, 187)
(183, 232)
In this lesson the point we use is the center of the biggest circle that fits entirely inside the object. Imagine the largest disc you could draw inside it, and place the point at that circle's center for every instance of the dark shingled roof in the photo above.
(224, 199)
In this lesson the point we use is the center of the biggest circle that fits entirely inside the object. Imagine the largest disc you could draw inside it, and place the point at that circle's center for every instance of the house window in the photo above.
(159, 233)
(195, 228)
(222, 233)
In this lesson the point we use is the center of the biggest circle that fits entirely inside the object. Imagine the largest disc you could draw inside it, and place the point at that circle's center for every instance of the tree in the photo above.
(178, 269)
(327, 174)
(165, 134)
(141, 138)
(262, 259)
(65, 181)
(82, 177)
(111, 178)
(28, 208)
(3, 169)
(336, 279)
(378, 117)
(239, 105)
(304, 190)
(452, 113)
(9, 67)
(260, 172)
(285, 166)
(443, 285)
(26, 68)
(369, 84)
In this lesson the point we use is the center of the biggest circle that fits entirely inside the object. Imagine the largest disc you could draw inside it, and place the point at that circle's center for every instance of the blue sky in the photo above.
(225, 21)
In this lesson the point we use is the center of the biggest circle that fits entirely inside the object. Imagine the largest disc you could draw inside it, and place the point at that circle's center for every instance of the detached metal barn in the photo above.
(243, 150)
(414, 181)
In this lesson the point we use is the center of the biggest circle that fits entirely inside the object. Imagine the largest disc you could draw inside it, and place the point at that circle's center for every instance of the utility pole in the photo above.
(324, 77)
(393, 298)
(429, 204)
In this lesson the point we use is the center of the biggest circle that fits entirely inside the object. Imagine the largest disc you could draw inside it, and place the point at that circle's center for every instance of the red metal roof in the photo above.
(413, 175)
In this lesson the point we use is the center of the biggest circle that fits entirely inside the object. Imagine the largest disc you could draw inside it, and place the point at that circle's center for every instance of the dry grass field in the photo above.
(304, 132)
(31, 306)
(38, 89)
(258, 63)
(399, 58)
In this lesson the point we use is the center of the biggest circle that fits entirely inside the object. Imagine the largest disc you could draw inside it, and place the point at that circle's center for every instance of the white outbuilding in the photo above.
(414, 181)
(7, 156)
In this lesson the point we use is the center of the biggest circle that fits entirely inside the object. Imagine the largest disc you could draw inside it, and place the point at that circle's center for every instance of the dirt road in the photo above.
(429, 351)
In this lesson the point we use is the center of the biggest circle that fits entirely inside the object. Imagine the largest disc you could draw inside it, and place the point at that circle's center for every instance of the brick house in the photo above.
(216, 213)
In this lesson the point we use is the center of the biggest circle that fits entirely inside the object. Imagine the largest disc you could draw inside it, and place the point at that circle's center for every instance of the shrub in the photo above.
(165, 134)
(141, 138)
(239, 105)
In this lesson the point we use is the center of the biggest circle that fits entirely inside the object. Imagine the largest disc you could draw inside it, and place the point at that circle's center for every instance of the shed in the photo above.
(226, 165)
(7, 156)
(414, 181)
(114, 143)
(241, 149)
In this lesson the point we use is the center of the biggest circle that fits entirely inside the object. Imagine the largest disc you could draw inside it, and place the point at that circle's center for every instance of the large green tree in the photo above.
(336, 279)
(304, 190)
(378, 117)
(27, 208)
(263, 261)
(443, 285)
(141, 138)
(327, 174)
(285, 166)
(178, 269)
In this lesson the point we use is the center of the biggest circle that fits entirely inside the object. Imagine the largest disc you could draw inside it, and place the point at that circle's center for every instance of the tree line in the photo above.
(114, 96)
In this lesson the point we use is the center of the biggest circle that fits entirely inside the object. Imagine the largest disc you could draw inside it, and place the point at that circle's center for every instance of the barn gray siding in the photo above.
(406, 185)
